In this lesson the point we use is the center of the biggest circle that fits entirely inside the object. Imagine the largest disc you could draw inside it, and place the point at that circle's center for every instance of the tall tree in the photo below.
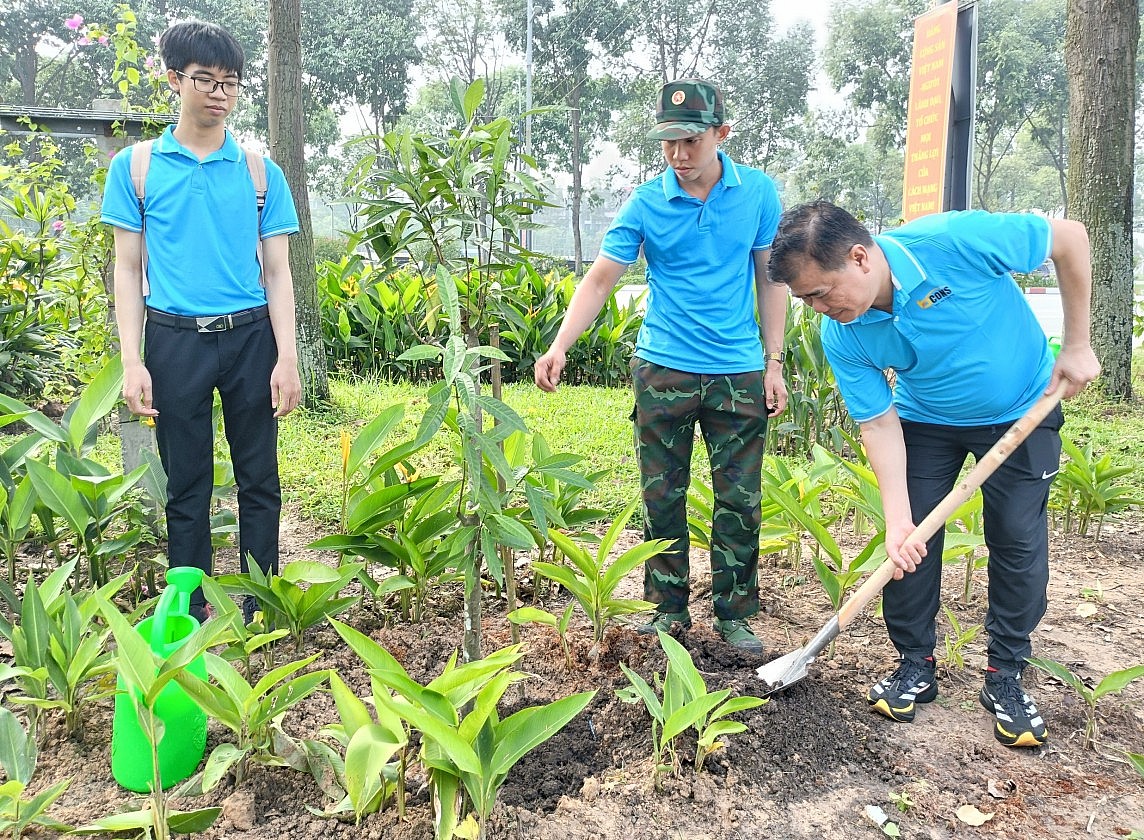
(288, 148)
(765, 80)
(569, 43)
(1101, 40)
(463, 39)
(1021, 88)
(673, 36)
(869, 49)
(361, 51)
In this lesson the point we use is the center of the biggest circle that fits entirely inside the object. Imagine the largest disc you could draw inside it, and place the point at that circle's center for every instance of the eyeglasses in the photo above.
(204, 85)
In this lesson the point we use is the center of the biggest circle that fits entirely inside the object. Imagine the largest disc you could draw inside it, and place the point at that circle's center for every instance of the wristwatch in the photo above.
(779, 357)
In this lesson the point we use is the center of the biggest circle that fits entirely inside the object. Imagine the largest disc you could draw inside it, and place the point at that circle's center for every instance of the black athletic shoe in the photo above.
(897, 695)
(249, 608)
(1019, 724)
(200, 612)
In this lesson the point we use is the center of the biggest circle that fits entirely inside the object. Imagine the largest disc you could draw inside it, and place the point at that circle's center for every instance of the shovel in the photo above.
(789, 669)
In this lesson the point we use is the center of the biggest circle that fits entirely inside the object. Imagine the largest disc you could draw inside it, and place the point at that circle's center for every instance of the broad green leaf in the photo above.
(192, 822)
(369, 750)
(56, 492)
(97, 399)
(219, 762)
(370, 437)
(18, 752)
(351, 710)
(1118, 680)
(532, 615)
(1063, 674)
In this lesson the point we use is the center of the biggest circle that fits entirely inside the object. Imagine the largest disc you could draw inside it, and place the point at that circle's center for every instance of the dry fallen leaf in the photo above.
(969, 815)
(1001, 788)
(1086, 610)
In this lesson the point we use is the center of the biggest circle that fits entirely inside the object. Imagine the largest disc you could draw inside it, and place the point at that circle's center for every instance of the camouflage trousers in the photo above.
(732, 416)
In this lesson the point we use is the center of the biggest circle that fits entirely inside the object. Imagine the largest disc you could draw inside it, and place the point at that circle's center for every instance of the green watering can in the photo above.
(184, 722)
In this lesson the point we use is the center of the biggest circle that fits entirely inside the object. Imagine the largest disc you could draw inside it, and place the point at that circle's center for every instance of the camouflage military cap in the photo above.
(686, 107)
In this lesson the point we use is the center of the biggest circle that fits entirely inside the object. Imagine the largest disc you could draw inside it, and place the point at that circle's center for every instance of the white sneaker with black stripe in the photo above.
(897, 695)
(1018, 724)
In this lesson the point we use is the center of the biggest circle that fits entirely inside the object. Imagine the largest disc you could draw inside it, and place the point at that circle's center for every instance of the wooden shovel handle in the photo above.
(937, 517)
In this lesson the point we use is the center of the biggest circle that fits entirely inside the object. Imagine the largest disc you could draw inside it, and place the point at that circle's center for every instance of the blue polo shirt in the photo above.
(701, 295)
(202, 220)
(963, 341)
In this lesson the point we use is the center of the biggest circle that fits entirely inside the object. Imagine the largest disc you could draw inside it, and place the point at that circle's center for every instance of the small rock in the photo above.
(590, 790)
(238, 809)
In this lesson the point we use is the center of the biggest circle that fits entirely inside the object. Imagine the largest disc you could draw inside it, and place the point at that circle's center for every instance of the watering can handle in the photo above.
(937, 517)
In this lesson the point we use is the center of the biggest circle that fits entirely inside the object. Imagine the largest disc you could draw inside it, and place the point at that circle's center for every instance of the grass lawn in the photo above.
(592, 422)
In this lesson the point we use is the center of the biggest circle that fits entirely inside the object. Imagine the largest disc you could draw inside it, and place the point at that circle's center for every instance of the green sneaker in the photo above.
(737, 634)
(664, 621)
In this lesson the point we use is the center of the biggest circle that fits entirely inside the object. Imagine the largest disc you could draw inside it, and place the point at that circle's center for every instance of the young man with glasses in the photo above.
(199, 310)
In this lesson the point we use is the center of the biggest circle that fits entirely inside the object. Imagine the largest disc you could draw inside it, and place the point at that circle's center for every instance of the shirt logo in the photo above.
(935, 297)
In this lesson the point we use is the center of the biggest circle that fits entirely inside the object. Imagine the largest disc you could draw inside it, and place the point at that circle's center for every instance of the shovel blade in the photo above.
(786, 670)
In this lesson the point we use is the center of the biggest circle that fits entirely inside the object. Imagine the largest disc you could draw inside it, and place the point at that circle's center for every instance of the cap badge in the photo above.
(677, 97)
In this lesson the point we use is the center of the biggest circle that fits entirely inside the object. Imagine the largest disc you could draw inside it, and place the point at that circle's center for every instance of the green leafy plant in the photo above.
(61, 644)
(957, 640)
(242, 640)
(686, 704)
(18, 757)
(373, 745)
(304, 594)
(394, 518)
(592, 581)
(901, 800)
(1114, 683)
(964, 537)
(532, 615)
(465, 744)
(252, 713)
(424, 197)
(1086, 491)
(816, 412)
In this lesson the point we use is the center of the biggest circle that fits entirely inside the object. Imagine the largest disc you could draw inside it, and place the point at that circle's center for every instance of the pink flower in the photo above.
(149, 62)
(83, 40)
(57, 226)
(74, 22)
(103, 40)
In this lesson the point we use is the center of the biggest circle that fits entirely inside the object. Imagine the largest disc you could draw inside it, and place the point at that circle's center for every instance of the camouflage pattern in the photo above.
(732, 416)
(685, 107)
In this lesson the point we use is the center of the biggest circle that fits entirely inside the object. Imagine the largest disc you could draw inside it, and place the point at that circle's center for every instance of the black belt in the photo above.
(208, 323)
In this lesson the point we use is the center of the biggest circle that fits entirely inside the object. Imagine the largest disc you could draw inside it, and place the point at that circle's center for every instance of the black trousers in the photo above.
(186, 368)
(1015, 508)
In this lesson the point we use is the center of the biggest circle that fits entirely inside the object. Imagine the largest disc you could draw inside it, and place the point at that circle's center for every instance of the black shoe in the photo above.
(1019, 724)
(737, 634)
(664, 621)
(249, 608)
(200, 612)
(897, 695)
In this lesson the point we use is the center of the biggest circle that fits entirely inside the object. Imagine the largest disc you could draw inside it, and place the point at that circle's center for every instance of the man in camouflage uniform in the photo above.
(705, 227)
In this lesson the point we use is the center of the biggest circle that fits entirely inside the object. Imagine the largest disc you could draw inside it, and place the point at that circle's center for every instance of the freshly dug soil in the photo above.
(812, 761)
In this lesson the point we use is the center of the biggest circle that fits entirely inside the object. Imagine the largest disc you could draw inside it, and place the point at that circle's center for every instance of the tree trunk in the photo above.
(288, 148)
(577, 169)
(1100, 54)
(24, 68)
